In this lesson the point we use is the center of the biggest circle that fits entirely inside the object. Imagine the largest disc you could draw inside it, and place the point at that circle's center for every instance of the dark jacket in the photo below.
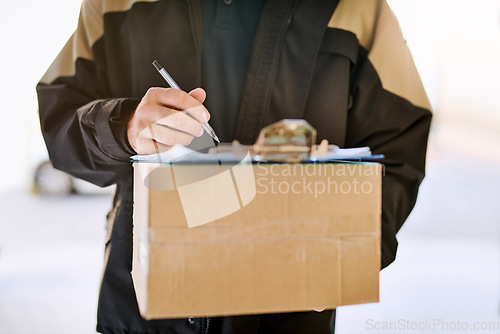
(343, 66)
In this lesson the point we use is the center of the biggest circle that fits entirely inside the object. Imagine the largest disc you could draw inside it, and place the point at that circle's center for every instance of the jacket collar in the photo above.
(285, 48)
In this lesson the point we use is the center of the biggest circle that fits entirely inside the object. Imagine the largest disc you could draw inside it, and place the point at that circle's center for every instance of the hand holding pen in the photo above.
(174, 84)
(166, 117)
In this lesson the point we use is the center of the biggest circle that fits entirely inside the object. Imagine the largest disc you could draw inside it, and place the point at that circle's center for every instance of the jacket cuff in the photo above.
(111, 127)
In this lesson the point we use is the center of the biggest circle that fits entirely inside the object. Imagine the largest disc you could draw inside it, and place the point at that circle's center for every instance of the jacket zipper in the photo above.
(208, 325)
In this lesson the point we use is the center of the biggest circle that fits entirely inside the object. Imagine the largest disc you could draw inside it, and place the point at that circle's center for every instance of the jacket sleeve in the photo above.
(391, 114)
(83, 125)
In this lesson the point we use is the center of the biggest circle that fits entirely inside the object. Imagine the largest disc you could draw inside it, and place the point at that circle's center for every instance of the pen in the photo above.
(174, 84)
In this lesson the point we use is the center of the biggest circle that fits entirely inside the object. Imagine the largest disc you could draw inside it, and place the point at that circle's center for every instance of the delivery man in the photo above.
(341, 65)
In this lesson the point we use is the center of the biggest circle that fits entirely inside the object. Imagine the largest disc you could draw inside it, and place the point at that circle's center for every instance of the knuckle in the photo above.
(186, 139)
(177, 121)
(175, 96)
(168, 137)
(176, 137)
(185, 123)
(152, 91)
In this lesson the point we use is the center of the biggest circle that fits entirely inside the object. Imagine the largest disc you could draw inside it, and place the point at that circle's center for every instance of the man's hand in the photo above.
(160, 120)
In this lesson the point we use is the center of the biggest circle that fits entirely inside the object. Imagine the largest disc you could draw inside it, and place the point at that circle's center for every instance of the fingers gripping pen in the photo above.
(173, 84)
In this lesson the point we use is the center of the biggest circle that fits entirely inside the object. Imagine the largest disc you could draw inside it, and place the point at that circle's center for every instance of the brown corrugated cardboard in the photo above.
(290, 237)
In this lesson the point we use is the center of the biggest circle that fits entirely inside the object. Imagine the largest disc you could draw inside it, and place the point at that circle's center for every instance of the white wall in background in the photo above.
(31, 34)
(455, 44)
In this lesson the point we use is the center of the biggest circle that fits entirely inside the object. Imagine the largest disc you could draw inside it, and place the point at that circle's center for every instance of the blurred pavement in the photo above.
(446, 276)
(51, 254)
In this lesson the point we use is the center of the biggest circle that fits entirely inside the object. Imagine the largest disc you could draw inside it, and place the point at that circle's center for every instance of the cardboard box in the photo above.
(262, 238)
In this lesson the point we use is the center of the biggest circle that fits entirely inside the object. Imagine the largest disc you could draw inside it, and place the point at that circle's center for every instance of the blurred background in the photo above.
(447, 274)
